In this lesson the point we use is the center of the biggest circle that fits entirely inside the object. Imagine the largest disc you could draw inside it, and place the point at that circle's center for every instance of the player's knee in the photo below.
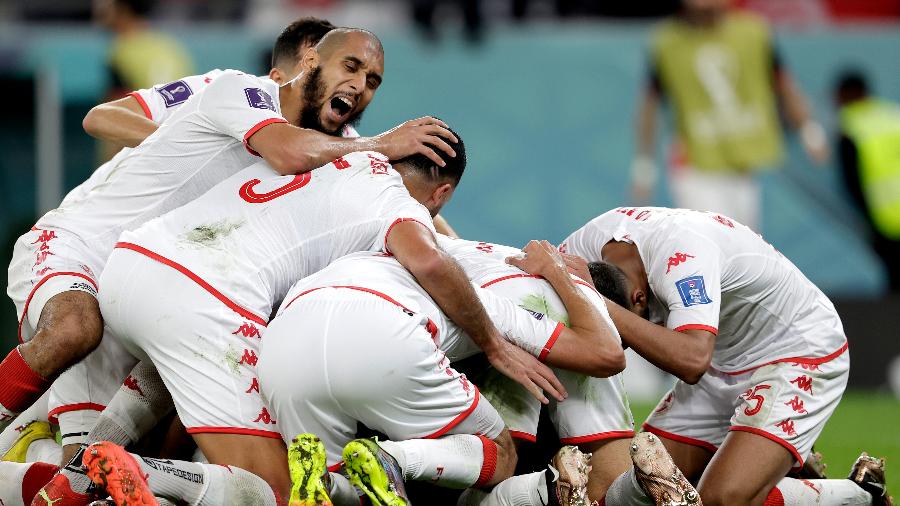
(71, 323)
(728, 493)
(506, 458)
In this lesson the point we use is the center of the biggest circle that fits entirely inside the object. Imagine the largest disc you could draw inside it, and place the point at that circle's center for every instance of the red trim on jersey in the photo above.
(550, 342)
(525, 436)
(697, 326)
(799, 360)
(196, 279)
(336, 467)
(398, 220)
(759, 432)
(511, 276)
(140, 100)
(456, 421)
(234, 430)
(488, 462)
(600, 436)
(430, 326)
(38, 285)
(681, 439)
(53, 415)
(257, 128)
(579, 281)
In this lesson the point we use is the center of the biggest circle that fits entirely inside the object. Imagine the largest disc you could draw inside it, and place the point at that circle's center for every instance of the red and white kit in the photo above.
(597, 408)
(193, 290)
(361, 341)
(780, 363)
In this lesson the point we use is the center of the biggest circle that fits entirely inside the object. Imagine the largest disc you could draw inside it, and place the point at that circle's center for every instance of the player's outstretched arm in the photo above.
(119, 121)
(293, 150)
(415, 248)
(443, 227)
(685, 354)
(588, 345)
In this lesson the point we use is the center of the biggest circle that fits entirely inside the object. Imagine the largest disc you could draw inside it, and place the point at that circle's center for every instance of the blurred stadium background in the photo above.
(545, 95)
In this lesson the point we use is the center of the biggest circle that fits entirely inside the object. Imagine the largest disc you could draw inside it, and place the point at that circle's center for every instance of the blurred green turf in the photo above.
(864, 420)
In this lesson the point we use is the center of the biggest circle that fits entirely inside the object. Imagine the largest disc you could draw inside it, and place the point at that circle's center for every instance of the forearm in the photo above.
(118, 125)
(646, 124)
(583, 316)
(796, 108)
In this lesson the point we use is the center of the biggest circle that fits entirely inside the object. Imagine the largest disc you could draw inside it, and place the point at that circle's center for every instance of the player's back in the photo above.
(187, 155)
(256, 233)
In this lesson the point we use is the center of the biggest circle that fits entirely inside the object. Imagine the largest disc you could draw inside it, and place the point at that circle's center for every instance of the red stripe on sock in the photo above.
(38, 475)
(774, 498)
(489, 464)
(20, 385)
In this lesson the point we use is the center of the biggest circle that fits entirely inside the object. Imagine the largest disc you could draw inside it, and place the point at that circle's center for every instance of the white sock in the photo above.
(205, 484)
(342, 492)
(626, 491)
(44, 450)
(37, 411)
(793, 492)
(522, 490)
(141, 402)
(454, 461)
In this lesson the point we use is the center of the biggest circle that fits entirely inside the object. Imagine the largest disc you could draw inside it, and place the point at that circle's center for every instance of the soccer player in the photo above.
(232, 254)
(214, 134)
(759, 352)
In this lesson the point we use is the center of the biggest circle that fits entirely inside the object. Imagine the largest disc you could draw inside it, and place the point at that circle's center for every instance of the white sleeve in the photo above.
(532, 331)
(237, 105)
(160, 101)
(584, 242)
(689, 283)
(395, 202)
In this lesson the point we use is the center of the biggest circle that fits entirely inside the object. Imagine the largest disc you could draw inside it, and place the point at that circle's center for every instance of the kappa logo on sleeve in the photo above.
(259, 99)
(175, 93)
(692, 291)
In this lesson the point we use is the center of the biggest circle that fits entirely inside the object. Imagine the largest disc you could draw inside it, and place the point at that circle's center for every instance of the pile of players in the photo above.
(251, 264)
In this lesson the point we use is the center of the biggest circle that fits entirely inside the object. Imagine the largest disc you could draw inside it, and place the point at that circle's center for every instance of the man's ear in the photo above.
(310, 59)
(442, 193)
(276, 75)
(639, 301)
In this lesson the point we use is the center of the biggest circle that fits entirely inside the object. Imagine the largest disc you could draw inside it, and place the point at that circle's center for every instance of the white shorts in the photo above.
(338, 357)
(46, 263)
(204, 349)
(596, 409)
(785, 402)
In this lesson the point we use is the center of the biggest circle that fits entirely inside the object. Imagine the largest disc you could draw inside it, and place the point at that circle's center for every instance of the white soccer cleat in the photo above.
(573, 467)
(658, 475)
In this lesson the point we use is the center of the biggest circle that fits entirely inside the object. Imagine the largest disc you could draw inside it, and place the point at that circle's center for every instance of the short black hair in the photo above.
(455, 165)
(852, 82)
(611, 282)
(306, 31)
(140, 8)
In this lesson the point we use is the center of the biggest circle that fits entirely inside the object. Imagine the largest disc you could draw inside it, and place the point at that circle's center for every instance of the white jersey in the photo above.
(256, 233)
(202, 143)
(709, 272)
(383, 276)
(485, 265)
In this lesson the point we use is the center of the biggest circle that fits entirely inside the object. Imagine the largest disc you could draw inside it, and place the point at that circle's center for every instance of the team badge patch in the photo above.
(259, 99)
(175, 93)
(692, 291)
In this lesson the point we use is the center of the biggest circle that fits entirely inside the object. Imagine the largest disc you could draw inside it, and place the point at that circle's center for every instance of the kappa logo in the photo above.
(247, 330)
(797, 405)
(677, 259)
(259, 99)
(485, 247)
(249, 358)
(175, 93)
(724, 221)
(265, 418)
(692, 291)
(132, 384)
(803, 382)
(787, 426)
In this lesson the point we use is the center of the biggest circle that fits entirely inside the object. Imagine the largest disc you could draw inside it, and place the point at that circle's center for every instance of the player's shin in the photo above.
(626, 491)
(454, 461)
(20, 387)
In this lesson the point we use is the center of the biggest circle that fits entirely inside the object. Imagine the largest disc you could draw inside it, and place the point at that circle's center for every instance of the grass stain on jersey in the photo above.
(509, 398)
(209, 235)
(233, 359)
(539, 304)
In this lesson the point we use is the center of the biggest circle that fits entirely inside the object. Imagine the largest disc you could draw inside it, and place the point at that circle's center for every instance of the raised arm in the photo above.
(121, 121)
(415, 248)
(292, 150)
(588, 345)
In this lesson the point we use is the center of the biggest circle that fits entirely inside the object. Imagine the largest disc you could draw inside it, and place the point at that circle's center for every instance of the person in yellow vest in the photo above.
(721, 75)
(869, 149)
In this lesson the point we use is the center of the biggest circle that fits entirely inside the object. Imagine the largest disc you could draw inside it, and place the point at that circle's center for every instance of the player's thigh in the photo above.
(609, 459)
(744, 470)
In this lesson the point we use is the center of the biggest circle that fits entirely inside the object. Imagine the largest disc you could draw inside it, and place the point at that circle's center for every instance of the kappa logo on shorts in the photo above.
(259, 99)
(692, 291)
(175, 93)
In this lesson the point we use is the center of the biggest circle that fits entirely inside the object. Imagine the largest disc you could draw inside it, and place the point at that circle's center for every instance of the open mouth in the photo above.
(342, 106)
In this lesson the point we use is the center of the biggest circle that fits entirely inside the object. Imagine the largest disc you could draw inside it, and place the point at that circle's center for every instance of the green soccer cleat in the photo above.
(375, 472)
(309, 477)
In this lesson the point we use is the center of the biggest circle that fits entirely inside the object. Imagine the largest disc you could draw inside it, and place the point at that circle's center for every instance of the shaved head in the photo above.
(336, 38)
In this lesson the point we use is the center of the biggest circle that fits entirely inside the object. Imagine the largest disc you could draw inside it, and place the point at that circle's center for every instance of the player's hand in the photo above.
(528, 371)
(578, 266)
(815, 142)
(538, 257)
(422, 136)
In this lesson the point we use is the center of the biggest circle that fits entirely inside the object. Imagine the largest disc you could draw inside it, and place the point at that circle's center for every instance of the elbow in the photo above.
(284, 162)
(694, 370)
(91, 122)
(606, 361)
(428, 265)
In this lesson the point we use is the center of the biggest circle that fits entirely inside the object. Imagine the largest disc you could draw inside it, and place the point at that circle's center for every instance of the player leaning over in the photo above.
(759, 351)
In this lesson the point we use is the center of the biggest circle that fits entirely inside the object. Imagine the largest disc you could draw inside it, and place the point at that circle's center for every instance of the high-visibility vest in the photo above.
(719, 82)
(874, 127)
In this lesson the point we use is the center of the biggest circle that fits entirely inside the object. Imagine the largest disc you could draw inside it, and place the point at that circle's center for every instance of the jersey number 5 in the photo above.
(246, 192)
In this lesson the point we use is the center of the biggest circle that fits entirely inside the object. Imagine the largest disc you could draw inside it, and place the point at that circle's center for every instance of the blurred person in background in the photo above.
(139, 56)
(724, 79)
(869, 150)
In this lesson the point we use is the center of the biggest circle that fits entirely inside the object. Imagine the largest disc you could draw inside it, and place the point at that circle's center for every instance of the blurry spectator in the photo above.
(869, 149)
(139, 56)
(473, 21)
(724, 80)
